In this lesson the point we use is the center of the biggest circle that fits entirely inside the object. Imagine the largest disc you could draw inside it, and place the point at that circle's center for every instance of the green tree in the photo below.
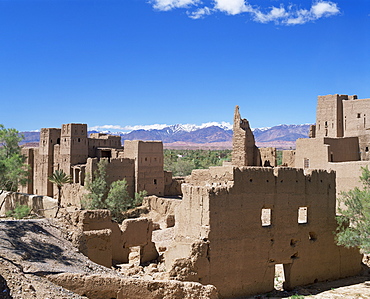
(59, 178)
(119, 200)
(354, 220)
(13, 170)
(114, 197)
(97, 187)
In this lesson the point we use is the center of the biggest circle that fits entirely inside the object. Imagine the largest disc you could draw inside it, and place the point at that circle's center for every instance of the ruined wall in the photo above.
(245, 152)
(148, 157)
(312, 132)
(261, 218)
(100, 286)
(288, 159)
(213, 176)
(97, 140)
(41, 205)
(95, 239)
(30, 159)
(268, 156)
(72, 194)
(103, 241)
(44, 161)
(172, 186)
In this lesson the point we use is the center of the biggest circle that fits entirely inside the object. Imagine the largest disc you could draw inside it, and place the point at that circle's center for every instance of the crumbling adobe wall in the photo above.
(268, 156)
(245, 152)
(95, 235)
(44, 161)
(29, 154)
(215, 175)
(161, 210)
(72, 194)
(312, 131)
(261, 218)
(103, 241)
(97, 140)
(104, 286)
(172, 186)
(288, 159)
(41, 205)
(138, 232)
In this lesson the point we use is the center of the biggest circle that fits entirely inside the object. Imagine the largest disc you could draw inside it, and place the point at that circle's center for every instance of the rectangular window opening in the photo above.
(279, 277)
(266, 217)
(306, 163)
(302, 215)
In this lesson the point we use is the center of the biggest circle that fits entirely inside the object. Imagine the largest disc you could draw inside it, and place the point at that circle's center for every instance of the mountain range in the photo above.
(212, 136)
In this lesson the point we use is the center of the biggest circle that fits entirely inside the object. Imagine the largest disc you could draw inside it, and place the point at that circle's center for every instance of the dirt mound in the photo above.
(32, 249)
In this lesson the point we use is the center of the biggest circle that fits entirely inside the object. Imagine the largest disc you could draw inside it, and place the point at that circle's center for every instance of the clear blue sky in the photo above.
(140, 62)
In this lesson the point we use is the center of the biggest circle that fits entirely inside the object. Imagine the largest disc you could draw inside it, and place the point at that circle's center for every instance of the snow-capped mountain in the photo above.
(201, 134)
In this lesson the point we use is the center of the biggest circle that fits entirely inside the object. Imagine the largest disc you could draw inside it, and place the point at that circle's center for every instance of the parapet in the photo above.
(72, 129)
(263, 179)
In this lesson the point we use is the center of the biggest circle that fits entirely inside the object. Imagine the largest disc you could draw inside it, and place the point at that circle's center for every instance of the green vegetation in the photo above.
(114, 197)
(354, 223)
(13, 170)
(97, 187)
(20, 211)
(59, 178)
(279, 158)
(182, 162)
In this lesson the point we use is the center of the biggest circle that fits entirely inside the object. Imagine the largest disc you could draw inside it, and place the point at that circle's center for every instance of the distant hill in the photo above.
(282, 136)
(282, 133)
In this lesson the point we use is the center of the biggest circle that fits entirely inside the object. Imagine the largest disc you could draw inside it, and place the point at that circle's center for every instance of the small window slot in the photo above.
(302, 215)
(266, 217)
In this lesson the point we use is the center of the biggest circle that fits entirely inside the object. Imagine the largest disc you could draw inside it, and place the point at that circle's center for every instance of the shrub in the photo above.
(20, 211)
(354, 223)
(114, 197)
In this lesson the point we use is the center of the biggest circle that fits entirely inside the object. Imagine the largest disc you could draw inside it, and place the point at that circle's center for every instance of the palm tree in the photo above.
(59, 178)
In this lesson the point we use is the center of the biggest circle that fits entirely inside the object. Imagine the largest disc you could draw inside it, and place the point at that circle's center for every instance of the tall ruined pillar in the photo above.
(245, 152)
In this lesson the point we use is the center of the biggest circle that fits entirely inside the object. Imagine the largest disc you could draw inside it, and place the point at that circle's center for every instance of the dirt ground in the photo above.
(30, 250)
